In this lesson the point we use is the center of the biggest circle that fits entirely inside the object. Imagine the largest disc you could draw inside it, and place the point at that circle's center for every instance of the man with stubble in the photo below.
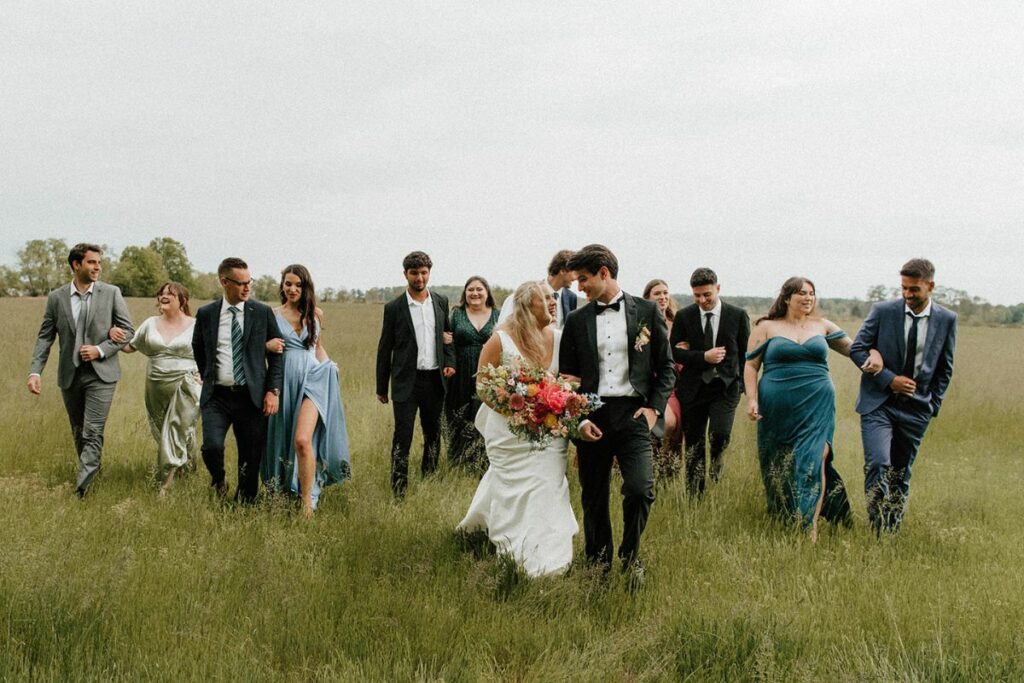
(413, 358)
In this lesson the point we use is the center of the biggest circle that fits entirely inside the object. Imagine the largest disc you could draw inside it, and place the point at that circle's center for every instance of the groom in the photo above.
(618, 346)
(916, 338)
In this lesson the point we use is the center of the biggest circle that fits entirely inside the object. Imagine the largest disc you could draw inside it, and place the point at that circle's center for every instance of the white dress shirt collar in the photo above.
(926, 313)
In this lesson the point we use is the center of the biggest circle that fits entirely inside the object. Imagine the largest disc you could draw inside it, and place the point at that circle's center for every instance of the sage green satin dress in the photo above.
(172, 393)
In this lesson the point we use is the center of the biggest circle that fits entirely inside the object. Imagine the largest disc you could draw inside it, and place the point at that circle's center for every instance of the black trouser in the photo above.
(709, 413)
(428, 398)
(233, 407)
(628, 439)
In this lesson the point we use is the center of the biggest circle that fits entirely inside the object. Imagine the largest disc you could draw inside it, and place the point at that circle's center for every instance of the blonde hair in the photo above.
(522, 324)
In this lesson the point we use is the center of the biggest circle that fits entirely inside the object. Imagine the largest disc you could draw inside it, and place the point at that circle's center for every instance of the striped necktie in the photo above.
(237, 369)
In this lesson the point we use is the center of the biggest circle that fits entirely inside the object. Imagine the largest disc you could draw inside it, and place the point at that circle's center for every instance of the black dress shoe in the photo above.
(221, 489)
(80, 493)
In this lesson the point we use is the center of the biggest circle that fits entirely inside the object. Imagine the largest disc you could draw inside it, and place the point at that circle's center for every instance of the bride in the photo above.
(523, 499)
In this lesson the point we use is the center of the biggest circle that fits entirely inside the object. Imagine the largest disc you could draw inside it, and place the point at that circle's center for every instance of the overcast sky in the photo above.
(832, 140)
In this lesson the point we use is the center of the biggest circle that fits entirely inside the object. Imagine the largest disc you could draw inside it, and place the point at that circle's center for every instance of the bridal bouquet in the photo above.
(539, 405)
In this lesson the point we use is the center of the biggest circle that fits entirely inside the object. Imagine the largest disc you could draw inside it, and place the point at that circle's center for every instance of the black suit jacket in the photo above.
(733, 332)
(650, 368)
(263, 371)
(397, 349)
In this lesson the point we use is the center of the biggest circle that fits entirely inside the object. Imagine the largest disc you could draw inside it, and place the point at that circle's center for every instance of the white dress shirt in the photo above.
(716, 319)
(922, 332)
(613, 342)
(225, 356)
(425, 326)
(77, 299)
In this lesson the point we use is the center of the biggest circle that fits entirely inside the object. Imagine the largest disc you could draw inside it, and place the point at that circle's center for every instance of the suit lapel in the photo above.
(631, 325)
(65, 305)
(901, 342)
(696, 323)
(438, 329)
(406, 315)
(590, 324)
(248, 323)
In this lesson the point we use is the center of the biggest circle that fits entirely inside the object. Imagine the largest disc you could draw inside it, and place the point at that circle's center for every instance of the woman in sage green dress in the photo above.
(472, 321)
(172, 380)
(794, 406)
(307, 441)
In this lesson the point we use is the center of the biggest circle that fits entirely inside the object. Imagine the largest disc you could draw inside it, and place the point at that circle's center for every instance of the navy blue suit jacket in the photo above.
(883, 330)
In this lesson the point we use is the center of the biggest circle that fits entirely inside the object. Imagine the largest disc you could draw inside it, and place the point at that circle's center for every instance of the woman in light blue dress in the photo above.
(307, 443)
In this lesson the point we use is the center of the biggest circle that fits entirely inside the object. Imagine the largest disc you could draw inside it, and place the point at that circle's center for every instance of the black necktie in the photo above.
(711, 371)
(908, 363)
(601, 308)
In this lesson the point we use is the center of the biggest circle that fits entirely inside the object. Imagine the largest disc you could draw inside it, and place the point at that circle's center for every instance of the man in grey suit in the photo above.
(915, 338)
(82, 314)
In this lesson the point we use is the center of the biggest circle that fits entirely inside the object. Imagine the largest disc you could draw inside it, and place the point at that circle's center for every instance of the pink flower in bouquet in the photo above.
(553, 397)
(516, 402)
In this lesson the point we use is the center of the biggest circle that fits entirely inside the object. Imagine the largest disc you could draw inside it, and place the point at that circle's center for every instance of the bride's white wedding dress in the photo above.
(523, 499)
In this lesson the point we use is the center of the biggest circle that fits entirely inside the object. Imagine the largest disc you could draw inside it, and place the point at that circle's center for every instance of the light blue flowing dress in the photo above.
(797, 400)
(306, 377)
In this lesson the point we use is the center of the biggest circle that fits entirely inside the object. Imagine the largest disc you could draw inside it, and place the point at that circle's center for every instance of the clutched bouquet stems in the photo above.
(539, 405)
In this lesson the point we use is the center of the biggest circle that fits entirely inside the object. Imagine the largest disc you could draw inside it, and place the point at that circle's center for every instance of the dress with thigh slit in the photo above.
(796, 399)
(306, 377)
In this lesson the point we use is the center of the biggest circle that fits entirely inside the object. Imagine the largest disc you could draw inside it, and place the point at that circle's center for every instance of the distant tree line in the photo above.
(139, 270)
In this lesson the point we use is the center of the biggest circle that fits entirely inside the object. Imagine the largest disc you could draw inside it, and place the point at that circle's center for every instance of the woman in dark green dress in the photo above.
(794, 406)
(473, 320)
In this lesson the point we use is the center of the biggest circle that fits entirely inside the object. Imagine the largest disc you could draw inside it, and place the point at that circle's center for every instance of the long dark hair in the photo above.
(178, 290)
(487, 287)
(307, 300)
(790, 287)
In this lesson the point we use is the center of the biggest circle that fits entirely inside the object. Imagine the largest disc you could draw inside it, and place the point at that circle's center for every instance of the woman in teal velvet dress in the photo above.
(794, 406)
(307, 442)
(473, 320)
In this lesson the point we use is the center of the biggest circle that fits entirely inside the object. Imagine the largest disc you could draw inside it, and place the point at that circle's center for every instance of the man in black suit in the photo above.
(241, 381)
(413, 357)
(714, 339)
(618, 346)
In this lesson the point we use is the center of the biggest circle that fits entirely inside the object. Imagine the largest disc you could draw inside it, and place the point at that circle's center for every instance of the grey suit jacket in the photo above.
(106, 309)
(883, 330)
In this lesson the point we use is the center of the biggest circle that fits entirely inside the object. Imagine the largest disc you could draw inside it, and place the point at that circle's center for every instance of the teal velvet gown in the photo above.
(796, 398)
(306, 377)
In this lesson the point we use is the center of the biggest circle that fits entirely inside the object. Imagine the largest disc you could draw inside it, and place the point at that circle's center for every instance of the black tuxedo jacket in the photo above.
(650, 368)
(263, 371)
(397, 349)
(733, 332)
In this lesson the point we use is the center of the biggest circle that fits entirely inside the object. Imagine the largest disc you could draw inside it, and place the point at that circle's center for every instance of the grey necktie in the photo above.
(83, 313)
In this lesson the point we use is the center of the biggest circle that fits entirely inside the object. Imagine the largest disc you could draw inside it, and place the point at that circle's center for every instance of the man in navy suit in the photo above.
(560, 277)
(241, 381)
(916, 339)
(413, 358)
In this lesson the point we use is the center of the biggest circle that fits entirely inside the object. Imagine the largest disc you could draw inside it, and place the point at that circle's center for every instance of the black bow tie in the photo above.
(601, 308)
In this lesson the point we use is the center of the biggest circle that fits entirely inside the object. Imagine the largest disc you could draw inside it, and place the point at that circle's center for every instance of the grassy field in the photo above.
(126, 586)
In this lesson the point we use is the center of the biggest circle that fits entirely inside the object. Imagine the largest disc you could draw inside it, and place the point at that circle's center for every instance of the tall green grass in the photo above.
(127, 586)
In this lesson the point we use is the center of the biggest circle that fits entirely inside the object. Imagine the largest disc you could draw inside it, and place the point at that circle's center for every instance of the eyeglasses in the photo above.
(247, 283)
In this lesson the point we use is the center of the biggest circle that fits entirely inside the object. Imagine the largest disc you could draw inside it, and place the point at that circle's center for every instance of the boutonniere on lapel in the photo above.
(643, 336)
